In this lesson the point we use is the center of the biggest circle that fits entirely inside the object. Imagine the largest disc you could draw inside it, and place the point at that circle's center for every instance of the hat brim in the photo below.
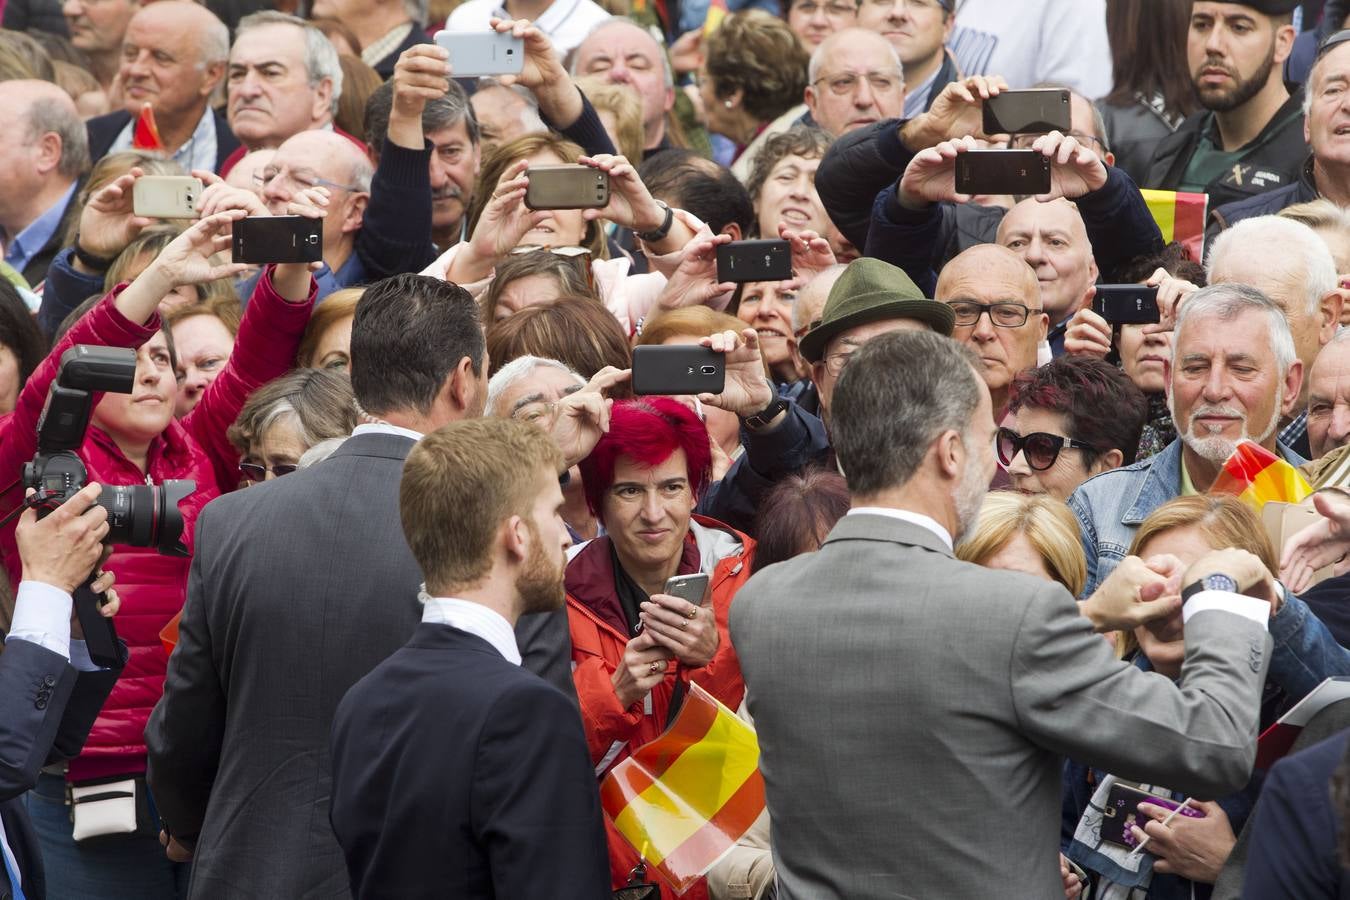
(937, 316)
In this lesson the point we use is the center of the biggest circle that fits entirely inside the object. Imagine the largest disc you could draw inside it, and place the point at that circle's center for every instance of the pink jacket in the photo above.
(152, 587)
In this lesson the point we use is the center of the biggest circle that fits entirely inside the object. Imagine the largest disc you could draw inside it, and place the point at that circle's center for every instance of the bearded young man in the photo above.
(1234, 373)
(1249, 138)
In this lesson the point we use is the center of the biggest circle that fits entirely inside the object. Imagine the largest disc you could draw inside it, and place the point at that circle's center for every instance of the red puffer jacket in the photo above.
(152, 587)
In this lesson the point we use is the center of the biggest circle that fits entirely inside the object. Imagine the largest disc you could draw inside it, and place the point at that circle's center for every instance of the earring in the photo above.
(727, 104)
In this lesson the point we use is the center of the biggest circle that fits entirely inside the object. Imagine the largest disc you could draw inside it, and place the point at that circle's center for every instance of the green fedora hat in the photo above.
(869, 291)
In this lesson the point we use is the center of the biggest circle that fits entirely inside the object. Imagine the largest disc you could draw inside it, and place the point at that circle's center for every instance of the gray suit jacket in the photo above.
(913, 711)
(298, 588)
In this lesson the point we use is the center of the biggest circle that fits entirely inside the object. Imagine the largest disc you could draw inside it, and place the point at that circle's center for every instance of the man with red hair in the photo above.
(635, 648)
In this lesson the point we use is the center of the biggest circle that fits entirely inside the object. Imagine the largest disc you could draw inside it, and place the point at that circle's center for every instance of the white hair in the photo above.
(818, 56)
(1261, 236)
(1227, 301)
(214, 43)
(624, 20)
(514, 371)
(321, 57)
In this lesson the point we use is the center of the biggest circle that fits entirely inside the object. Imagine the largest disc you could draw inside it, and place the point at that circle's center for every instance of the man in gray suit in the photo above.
(299, 587)
(913, 710)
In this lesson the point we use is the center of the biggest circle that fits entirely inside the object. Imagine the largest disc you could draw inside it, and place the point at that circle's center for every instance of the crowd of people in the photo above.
(964, 565)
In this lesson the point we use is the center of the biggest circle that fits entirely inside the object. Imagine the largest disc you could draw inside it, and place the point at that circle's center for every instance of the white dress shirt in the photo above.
(905, 515)
(476, 619)
(566, 22)
(386, 428)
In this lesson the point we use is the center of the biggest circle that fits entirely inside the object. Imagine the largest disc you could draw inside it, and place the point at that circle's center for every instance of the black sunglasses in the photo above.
(1041, 449)
(256, 473)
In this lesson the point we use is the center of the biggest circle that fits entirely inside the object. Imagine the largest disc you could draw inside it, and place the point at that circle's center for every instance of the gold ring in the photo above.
(684, 624)
(693, 611)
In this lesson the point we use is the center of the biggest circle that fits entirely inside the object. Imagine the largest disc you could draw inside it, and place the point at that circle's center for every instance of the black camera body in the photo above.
(142, 515)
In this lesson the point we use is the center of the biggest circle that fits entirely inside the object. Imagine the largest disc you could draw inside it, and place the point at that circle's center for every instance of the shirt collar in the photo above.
(551, 19)
(905, 515)
(27, 243)
(197, 152)
(382, 47)
(476, 619)
(386, 428)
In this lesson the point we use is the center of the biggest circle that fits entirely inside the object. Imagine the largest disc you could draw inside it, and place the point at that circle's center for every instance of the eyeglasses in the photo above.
(912, 4)
(834, 363)
(301, 180)
(1024, 141)
(256, 474)
(1004, 314)
(846, 83)
(1041, 449)
(537, 413)
(810, 8)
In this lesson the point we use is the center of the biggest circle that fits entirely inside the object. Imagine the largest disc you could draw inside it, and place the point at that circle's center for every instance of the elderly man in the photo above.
(625, 53)
(504, 113)
(1249, 137)
(854, 80)
(43, 155)
(1234, 373)
(1329, 397)
(996, 301)
(1052, 239)
(385, 28)
(1300, 277)
(284, 78)
(96, 29)
(919, 31)
(1326, 109)
(173, 58)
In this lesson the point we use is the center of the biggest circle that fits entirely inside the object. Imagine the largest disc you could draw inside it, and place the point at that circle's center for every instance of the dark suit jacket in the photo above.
(103, 130)
(46, 711)
(385, 67)
(298, 588)
(36, 270)
(458, 774)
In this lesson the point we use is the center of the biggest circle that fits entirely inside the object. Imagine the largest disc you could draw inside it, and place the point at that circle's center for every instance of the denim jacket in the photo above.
(1111, 506)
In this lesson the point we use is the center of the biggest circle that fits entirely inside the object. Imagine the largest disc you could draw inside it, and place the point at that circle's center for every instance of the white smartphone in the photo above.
(475, 53)
(166, 196)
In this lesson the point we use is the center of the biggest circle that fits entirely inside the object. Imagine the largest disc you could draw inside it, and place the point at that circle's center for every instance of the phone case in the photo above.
(690, 588)
(259, 240)
(1035, 111)
(1002, 172)
(566, 187)
(166, 196)
(482, 53)
(746, 261)
(1126, 304)
(1122, 811)
(677, 370)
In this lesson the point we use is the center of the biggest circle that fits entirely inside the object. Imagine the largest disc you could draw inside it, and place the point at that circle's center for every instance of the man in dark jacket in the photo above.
(919, 31)
(1249, 137)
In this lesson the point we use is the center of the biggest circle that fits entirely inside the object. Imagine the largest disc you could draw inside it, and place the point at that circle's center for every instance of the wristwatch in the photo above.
(1215, 582)
(766, 415)
(97, 263)
(660, 233)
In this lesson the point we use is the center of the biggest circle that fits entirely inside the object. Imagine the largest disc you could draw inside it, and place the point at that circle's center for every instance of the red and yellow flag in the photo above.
(145, 134)
(687, 797)
(1181, 218)
(1256, 476)
(717, 11)
(168, 635)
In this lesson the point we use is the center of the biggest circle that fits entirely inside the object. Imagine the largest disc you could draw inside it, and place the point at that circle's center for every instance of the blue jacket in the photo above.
(1111, 506)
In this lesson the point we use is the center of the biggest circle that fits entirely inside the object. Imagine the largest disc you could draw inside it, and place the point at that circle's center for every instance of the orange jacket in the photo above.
(612, 732)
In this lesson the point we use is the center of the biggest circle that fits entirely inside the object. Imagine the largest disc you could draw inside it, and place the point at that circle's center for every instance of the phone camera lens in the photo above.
(709, 370)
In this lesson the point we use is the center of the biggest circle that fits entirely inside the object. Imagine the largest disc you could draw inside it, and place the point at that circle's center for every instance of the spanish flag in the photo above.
(1181, 218)
(1256, 476)
(684, 799)
(717, 11)
(168, 635)
(145, 134)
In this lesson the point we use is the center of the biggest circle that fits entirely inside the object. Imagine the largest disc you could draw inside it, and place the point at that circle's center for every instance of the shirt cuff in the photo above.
(1247, 607)
(42, 616)
(80, 660)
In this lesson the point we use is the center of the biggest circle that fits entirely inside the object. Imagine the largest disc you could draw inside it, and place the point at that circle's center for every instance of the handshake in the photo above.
(1139, 591)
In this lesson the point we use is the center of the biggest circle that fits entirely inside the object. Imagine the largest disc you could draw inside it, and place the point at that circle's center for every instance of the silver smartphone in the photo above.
(166, 196)
(690, 588)
(475, 53)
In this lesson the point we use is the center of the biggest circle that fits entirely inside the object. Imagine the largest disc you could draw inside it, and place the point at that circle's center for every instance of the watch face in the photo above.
(1220, 583)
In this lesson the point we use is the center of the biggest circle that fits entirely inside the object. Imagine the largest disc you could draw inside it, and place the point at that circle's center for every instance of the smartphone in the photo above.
(566, 187)
(678, 370)
(1122, 811)
(1002, 172)
(1037, 111)
(744, 261)
(475, 53)
(691, 588)
(277, 239)
(166, 196)
(1126, 304)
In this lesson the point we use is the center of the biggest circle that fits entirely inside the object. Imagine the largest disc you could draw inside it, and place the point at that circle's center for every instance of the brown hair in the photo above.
(622, 102)
(500, 159)
(566, 272)
(319, 402)
(359, 81)
(1224, 520)
(1148, 53)
(576, 331)
(335, 307)
(226, 309)
(143, 249)
(759, 55)
(30, 54)
(332, 28)
(112, 167)
(797, 514)
(459, 484)
(689, 320)
(1046, 523)
(800, 140)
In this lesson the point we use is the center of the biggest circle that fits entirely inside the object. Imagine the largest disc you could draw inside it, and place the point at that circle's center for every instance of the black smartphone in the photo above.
(1126, 304)
(1002, 172)
(678, 369)
(277, 239)
(566, 187)
(743, 261)
(1037, 111)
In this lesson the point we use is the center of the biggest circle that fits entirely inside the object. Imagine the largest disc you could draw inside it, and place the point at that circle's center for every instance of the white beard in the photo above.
(1215, 448)
(969, 497)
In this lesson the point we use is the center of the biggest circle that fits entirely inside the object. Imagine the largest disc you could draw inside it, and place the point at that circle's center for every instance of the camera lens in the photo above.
(146, 515)
(709, 370)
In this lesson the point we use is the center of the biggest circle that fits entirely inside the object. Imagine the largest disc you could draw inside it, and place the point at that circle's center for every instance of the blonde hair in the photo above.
(335, 307)
(622, 102)
(1046, 523)
(1224, 520)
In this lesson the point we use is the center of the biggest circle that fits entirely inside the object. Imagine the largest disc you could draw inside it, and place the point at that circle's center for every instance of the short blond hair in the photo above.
(459, 484)
(1046, 522)
(622, 102)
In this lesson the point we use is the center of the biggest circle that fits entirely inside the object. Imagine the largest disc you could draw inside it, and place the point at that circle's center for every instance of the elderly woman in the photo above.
(286, 417)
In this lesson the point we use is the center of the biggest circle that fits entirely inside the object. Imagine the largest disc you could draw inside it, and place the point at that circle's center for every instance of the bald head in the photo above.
(851, 43)
(195, 25)
(975, 270)
(1053, 240)
(45, 111)
(811, 298)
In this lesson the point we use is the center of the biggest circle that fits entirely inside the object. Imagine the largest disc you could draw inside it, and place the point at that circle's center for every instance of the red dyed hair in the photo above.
(647, 430)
